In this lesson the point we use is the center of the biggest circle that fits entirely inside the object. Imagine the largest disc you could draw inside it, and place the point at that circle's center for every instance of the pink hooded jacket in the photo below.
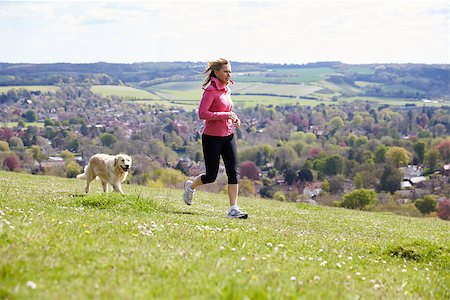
(215, 108)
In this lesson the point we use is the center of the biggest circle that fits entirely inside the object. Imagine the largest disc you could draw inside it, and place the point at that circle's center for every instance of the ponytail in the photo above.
(213, 66)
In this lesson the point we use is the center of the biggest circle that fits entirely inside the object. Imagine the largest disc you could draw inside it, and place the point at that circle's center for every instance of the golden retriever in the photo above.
(112, 169)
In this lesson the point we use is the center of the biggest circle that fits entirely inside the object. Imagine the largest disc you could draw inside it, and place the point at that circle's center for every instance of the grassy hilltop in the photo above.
(57, 243)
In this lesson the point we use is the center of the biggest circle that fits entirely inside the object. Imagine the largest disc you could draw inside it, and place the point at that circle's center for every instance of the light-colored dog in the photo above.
(112, 169)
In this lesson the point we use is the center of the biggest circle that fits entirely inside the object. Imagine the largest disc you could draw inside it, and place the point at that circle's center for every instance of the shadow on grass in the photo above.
(177, 212)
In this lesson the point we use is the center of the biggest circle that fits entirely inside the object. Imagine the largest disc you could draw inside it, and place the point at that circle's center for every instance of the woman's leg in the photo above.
(233, 191)
(211, 153)
(229, 155)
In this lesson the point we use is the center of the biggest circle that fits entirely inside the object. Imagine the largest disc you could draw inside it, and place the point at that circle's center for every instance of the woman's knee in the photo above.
(208, 178)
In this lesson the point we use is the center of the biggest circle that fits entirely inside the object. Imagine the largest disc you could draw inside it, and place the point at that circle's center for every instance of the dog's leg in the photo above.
(105, 186)
(118, 188)
(88, 182)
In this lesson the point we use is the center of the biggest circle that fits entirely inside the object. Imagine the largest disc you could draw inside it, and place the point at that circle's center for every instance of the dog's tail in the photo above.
(81, 176)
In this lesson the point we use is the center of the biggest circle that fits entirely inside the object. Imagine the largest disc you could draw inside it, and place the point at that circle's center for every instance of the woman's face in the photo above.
(224, 74)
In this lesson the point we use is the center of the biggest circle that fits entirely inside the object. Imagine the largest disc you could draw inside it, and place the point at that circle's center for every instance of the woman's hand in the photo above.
(235, 119)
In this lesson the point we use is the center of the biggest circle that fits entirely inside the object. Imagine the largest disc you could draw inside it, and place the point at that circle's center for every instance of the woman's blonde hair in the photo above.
(213, 65)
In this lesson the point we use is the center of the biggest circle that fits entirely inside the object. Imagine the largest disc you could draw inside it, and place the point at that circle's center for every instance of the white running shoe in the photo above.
(236, 213)
(188, 193)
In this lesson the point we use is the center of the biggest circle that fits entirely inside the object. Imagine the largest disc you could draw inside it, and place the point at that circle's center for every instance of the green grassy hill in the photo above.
(57, 243)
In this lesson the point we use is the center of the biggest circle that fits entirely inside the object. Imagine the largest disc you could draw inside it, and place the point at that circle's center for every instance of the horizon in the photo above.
(273, 32)
(202, 62)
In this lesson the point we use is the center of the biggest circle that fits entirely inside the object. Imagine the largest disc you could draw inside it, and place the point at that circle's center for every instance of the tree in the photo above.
(11, 162)
(390, 179)
(305, 175)
(359, 199)
(72, 169)
(30, 115)
(444, 150)
(420, 149)
(108, 139)
(334, 164)
(16, 143)
(336, 184)
(426, 204)
(399, 156)
(290, 175)
(431, 160)
(336, 123)
(4, 146)
(380, 154)
(247, 188)
(249, 169)
(443, 210)
(284, 157)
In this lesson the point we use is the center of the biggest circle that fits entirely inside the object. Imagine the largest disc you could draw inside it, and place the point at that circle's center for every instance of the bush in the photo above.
(73, 169)
(247, 187)
(443, 210)
(279, 196)
(426, 204)
(11, 162)
(168, 178)
(359, 199)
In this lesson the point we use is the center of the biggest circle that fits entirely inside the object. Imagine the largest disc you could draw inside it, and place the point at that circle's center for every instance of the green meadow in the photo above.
(58, 243)
(41, 88)
(125, 92)
(27, 124)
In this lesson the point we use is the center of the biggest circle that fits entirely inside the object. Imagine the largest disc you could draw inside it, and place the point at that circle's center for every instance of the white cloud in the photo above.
(274, 31)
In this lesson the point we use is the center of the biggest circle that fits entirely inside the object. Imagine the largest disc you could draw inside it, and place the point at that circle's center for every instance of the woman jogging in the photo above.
(218, 134)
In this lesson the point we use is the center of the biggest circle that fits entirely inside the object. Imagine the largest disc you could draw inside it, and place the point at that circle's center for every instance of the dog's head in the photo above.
(123, 162)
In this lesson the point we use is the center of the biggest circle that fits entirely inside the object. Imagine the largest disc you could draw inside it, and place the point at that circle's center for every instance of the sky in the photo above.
(285, 32)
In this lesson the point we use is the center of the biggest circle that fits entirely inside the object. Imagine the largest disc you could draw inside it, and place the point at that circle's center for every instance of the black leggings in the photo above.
(213, 148)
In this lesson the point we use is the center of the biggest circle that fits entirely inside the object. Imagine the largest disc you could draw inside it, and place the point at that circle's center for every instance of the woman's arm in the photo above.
(205, 104)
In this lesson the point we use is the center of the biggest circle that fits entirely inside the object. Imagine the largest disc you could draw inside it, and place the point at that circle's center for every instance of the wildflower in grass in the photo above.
(31, 285)
(221, 248)
(293, 278)
(324, 263)
(316, 278)
(238, 271)
(302, 258)
(403, 270)
(281, 245)
(339, 265)
(376, 286)
(243, 258)
(233, 249)
(269, 244)
(350, 258)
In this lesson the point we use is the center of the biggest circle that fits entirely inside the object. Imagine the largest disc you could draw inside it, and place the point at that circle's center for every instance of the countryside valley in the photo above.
(373, 137)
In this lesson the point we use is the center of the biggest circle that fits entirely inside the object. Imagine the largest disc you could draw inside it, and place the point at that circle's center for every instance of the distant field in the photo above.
(392, 101)
(123, 91)
(248, 93)
(41, 88)
(360, 70)
(14, 124)
(288, 75)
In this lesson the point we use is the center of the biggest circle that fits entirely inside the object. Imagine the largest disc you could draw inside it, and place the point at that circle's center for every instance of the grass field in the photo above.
(42, 88)
(35, 124)
(57, 243)
(123, 91)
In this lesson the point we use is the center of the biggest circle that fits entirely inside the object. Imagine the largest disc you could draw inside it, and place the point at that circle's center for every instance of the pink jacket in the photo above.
(215, 108)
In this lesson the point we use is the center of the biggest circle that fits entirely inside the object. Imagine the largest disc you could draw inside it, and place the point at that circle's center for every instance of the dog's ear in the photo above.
(116, 159)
